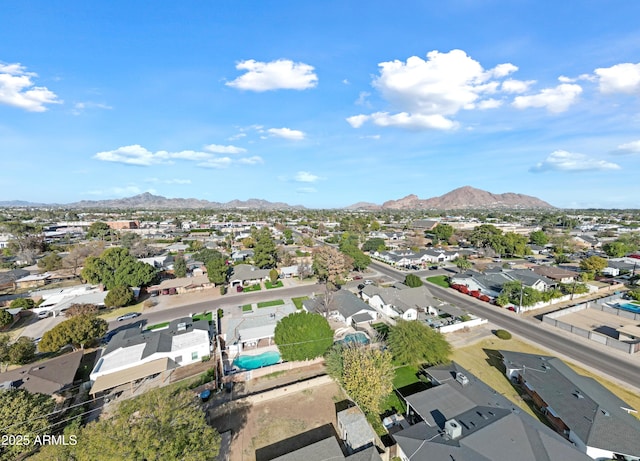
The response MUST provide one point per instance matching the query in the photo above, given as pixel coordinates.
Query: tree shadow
(231, 416)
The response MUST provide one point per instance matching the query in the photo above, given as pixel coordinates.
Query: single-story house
(460, 418)
(182, 285)
(241, 255)
(556, 273)
(247, 274)
(51, 377)
(596, 421)
(33, 280)
(343, 306)
(393, 302)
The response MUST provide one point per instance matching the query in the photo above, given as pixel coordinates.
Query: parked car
(130, 315)
(368, 282)
(44, 314)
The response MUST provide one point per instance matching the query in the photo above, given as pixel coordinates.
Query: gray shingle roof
(591, 411)
(492, 428)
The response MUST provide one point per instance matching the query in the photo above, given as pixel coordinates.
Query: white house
(133, 354)
(393, 302)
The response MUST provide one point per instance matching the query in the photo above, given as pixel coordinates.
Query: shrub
(503, 334)
(23, 303)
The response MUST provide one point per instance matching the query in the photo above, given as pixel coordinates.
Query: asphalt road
(227, 301)
(609, 363)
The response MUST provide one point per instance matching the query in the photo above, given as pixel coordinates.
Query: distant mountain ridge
(466, 197)
(150, 201)
(462, 198)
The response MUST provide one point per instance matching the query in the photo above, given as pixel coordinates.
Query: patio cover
(118, 378)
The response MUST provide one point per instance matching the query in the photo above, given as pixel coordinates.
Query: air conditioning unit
(453, 429)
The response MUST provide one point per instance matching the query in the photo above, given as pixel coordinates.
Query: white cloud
(561, 160)
(17, 89)
(621, 78)
(306, 190)
(130, 155)
(216, 163)
(427, 93)
(363, 99)
(80, 107)
(286, 133)
(237, 136)
(305, 176)
(555, 100)
(138, 155)
(274, 75)
(255, 160)
(218, 149)
(516, 86)
(489, 104)
(632, 147)
(405, 120)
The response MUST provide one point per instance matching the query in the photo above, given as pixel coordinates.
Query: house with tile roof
(461, 418)
(580, 408)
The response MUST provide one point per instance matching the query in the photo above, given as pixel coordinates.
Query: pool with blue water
(251, 362)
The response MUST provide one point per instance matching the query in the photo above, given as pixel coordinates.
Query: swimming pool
(251, 362)
(630, 307)
(358, 338)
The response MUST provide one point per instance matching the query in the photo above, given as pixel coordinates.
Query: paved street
(615, 364)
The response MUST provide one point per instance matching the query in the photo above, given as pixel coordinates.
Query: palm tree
(463, 264)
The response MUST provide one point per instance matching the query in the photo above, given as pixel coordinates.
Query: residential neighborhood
(245, 314)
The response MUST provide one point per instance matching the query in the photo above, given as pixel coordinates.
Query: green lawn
(275, 302)
(440, 280)
(405, 376)
(247, 308)
(298, 301)
(157, 326)
(270, 285)
(208, 316)
(255, 287)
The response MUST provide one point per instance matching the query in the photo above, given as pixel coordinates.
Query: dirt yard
(265, 424)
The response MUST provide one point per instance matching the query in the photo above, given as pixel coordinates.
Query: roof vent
(452, 429)
(182, 326)
(605, 412)
(462, 379)
(578, 395)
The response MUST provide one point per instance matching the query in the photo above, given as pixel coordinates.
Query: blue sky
(322, 104)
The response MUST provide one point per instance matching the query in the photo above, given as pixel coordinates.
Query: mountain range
(462, 198)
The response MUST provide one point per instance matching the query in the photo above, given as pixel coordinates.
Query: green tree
(78, 331)
(217, 269)
(616, 249)
(413, 281)
(462, 264)
(513, 292)
(273, 275)
(5, 318)
(116, 266)
(162, 424)
(288, 237)
(23, 303)
(538, 238)
(561, 258)
(360, 260)
(179, 266)
(119, 296)
(26, 414)
(5, 345)
(593, 264)
(367, 376)
(265, 253)
(303, 336)
(99, 230)
(22, 351)
(415, 343)
(50, 262)
(373, 245)
(514, 244)
(442, 232)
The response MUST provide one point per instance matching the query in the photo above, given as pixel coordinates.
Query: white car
(368, 282)
(44, 314)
